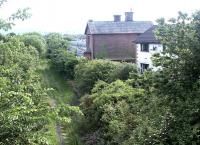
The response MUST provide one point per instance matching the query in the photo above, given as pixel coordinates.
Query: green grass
(62, 94)
(52, 79)
(54, 138)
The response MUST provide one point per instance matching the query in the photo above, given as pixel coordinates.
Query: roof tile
(110, 27)
(148, 36)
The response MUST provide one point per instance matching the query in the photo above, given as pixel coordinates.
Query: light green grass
(52, 79)
(53, 135)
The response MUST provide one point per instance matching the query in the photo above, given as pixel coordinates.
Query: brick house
(113, 40)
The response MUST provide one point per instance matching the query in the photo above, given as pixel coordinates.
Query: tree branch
(2, 2)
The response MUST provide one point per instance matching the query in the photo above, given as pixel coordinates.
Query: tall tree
(178, 80)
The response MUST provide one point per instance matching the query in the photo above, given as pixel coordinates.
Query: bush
(64, 62)
(36, 40)
(24, 113)
(89, 72)
(110, 113)
(55, 41)
(124, 70)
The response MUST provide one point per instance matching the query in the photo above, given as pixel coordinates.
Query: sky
(71, 16)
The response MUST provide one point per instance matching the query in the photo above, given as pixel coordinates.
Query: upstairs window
(145, 47)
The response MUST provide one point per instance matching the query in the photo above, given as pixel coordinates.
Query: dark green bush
(110, 112)
(64, 62)
(124, 70)
(55, 41)
(88, 73)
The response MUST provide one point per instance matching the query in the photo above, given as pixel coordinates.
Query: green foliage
(21, 14)
(55, 41)
(61, 94)
(26, 117)
(124, 70)
(15, 52)
(64, 62)
(89, 72)
(152, 108)
(36, 40)
(177, 81)
(117, 113)
(51, 78)
(24, 113)
(110, 112)
(181, 37)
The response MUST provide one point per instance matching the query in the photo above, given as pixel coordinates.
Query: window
(145, 47)
(143, 67)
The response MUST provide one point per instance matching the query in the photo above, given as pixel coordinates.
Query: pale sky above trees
(71, 16)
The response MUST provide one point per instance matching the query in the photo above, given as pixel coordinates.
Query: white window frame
(144, 47)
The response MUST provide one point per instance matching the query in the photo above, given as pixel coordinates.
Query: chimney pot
(117, 18)
(128, 16)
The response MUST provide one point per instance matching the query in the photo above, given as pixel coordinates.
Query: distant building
(77, 45)
(147, 45)
(114, 39)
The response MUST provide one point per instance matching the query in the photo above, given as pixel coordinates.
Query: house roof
(148, 36)
(110, 27)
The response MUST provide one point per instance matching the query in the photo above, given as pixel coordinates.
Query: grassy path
(52, 79)
(62, 94)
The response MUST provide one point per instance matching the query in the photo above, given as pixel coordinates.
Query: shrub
(24, 113)
(55, 41)
(89, 72)
(110, 112)
(64, 62)
(36, 40)
(124, 70)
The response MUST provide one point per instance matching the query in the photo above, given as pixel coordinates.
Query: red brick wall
(114, 46)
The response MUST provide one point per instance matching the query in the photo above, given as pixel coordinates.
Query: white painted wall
(145, 57)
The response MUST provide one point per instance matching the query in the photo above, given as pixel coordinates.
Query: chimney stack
(128, 16)
(117, 18)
